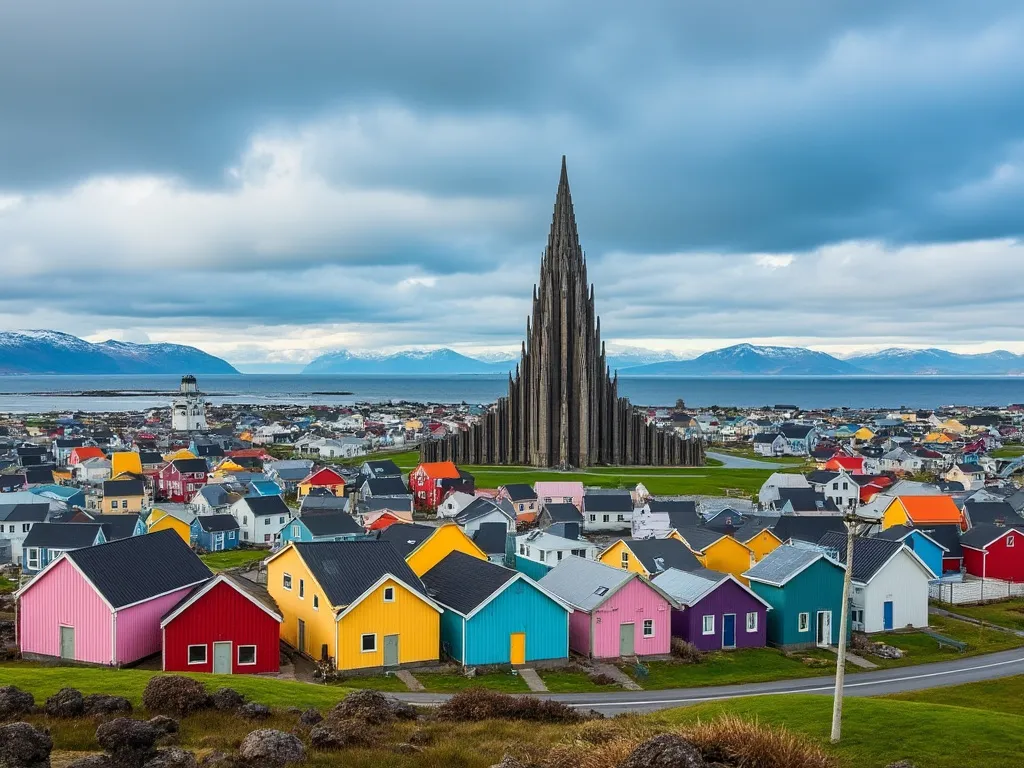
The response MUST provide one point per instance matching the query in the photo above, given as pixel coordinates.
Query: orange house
(922, 510)
(427, 482)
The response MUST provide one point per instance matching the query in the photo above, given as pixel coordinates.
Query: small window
(605, 518)
(197, 654)
(625, 560)
(302, 588)
(280, 520)
(804, 622)
(316, 602)
(622, 518)
(389, 594)
(522, 549)
(752, 621)
(601, 591)
(295, 531)
(835, 486)
(541, 555)
(708, 626)
(648, 627)
(266, 537)
(560, 553)
(246, 655)
(846, 486)
(593, 518)
(1009, 540)
(368, 643)
(522, 507)
(286, 581)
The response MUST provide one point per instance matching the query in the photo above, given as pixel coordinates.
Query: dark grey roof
(312, 502)
(809, 528)
(478, 508)
(386, 486)
(724, 520)
(117, 526)
(681, 513)
(383, 468)
(216, 523)
(24, 513)
(39, 475)
(562, 512)
(700, 538)
(331, 524)
(608, 502)
(948, 535)
(869, 554)
(767, 437)
(215, 493)
(895, 533)
(8, 480)
(462, 582)
(820, 477)
(980, 536)
(190, 465)
(63, 535)
(131, 570)
(805, 500)
(346, 569)
(520, 492)
(658, 555)
(995, 512)
(405, 537)
(123, 488)
(795, 431)
(150, 457)
(262, 506)
(402, 503)
(491, 537)
(753, 526)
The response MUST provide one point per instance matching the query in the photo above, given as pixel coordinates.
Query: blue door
(887, 615)
(729, 630)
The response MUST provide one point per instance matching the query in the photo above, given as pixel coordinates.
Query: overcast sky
(270, 180)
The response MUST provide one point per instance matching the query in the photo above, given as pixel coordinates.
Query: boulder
(268, 748)
(175, 757)
(227, 698)
(104, 704)
(665, 751)
(92, 761)
(254, 711)
(367, 706)
(340, 734)
(24, 746)
(310, 717)
(175, 695)
(405, 748)
(14, 702)
(218, 759)
(67, 702)
(123, 733)
(420, 737)
(164, 725)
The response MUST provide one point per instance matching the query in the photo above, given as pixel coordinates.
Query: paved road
(879, 683)
(740, 462)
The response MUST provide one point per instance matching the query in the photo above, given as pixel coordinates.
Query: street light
(852, 520)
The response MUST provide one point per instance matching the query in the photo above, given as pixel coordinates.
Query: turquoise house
(924, 546)
(494, 615)
(322, 526)
(804, 587)
(72, 497)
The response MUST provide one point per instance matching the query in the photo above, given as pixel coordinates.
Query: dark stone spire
(563, 409)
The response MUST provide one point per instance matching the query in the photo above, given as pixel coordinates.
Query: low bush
(175, 695)
(686, 652)
(476, 704)
(733, 740)
(600, 678)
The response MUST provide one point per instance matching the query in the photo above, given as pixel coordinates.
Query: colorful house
(948, 537)
(355, 602)
(124, 496)
(178, 480)
(171, 517)
(991, 552)
(103, 604)
(48, 541)
(757, 535)
(616, 613)
(649, 557)
(717, 611)
(493, 615)
(322, 526)
(717, 551)
(924, 546)
(804, 588)
(325, 478)
(226, 626)
(431, 480)
(557, 492)
(125, 461)
(922, 511)
(523, 500)
(424, 546)
(215, 533)
(80, 454)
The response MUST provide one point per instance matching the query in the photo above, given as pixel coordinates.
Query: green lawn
(753, 665)
(1004, 695)
(564, 681)
(7, 585)
(1008, 452)
(877, 732)
(748, 453)
(220, 561)
(922, 649)
(1008, 613)
(495, 681)
(377, 683)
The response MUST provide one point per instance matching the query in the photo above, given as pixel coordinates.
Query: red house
(431, 481)
(226, 626)
(179, 480)
(994, 552)
(852, 464)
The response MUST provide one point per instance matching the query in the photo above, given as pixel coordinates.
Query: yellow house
(761, 543)
(863, 434)
(649, 557)
(124, 495)
(171, 519)
(424, 546)
(324, 477)
(355, 602)
(181, 453)
(228, 466)
(954, 426)
(922, 510)
(937, 437)
(717, 551)
(125, 461)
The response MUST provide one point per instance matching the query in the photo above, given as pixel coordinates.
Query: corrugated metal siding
(222, 614)
(521, 607)
(579, 632)
(819, 588)
(927, 550)
(319, 624)
(451, 635)
(63, 597)
(531, 568)
(727, 598)
(631, 605)
(416, 623)
(138, 627)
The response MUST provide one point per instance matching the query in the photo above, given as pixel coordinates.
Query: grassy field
(1008, 452)
(921, 649)
(754, 665)
(221, 561)
(566, 681)
(1008, 613)
(1005, 695)
(7, 585)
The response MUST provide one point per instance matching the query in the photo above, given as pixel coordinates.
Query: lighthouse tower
(188, 411)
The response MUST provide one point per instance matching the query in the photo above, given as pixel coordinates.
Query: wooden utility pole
(852, 522)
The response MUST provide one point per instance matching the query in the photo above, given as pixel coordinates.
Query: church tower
(188, 411)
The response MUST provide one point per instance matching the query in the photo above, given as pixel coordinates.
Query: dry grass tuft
(747, 744)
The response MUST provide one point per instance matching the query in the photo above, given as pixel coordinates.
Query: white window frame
(316, 602)
(32, 555)
(1009, 540)
(752, 621)
(624, 560)
(206, 654)
(362, 643)
(803, 622)
(387, 590)
(286, 581)
(238, 656)
(648, 624)
(707, 628)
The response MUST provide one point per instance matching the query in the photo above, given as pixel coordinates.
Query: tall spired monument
(563, 409)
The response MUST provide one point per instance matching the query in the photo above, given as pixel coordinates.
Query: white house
(971, 476)
(839, 486)
(890, 583)
(92, 471)
(770, 444)
(900, 460)
(260, 517)
(607, 511)
(657, 519)
(16, 521)
(271, 433)
(341, 448)
(453, 503)
(769, 492)
(481, 511)
(549, 550)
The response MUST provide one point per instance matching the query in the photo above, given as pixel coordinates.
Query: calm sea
(23, 394)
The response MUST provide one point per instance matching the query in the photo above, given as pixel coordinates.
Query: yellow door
(518, 652)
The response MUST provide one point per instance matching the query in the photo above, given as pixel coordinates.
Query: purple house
(103, 604)
(717, 612)
(616, 613)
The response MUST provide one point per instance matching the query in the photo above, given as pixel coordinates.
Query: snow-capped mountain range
(45, 352)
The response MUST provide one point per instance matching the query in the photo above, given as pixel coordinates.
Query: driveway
(741, 462)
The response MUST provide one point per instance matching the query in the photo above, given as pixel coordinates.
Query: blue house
(72, 497)
(925, 547)
(322, 526)
(115, 526)
(215, 533)
(263, 488)
(494, 615)
(48, 541)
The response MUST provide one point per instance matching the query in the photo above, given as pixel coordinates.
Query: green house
(804, 587)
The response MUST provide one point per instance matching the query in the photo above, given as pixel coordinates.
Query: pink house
(103, 604)
(559, 493)
(616, 613)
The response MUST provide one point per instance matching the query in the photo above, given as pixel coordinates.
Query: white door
(222, 658)
(824, 629)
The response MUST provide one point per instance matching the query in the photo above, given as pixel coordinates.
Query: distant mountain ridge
(736, 360)
(53, 352)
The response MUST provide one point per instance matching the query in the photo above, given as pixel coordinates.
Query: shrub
(686, 652)
(175, 694)
(732, 739)
(600, 678)
(481, 704)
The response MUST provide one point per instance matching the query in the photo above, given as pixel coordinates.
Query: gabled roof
(984, 535)
(385, 486)
(491, 538)
(403, 503)
(345, 570)
(323, 476)
(255, 593)
(439, 470)
(585, 584)
(752, 527)
(994, 512)
(658, 555)
(406, 537)
(689, 588)
(217, 523)
(262, 506)
(24, 513)
(608, 502)
(930, 509)
(520, 492)
(795, 431)
(479, 507)
(116, 526)
(331, 524)
(124, 488)
(681, 512)
(700, 539)
(63, 535)
(136, 569)
(806, 500)
(768, 437)
(83, 452)
(901, 532)
(809, 528)
(216, 494)
(462, 582)
(315, 502)
(190, 465)
(869, 554)
(563, 512)
(785, 563)
(383, 468)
